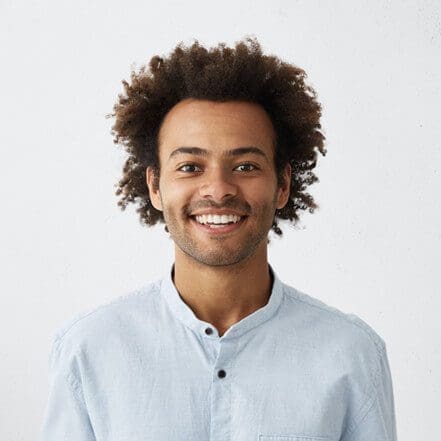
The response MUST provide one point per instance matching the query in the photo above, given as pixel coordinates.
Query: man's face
(207, 168)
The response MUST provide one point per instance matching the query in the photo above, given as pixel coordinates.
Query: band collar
(186, 315)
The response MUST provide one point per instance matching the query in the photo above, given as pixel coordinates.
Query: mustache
(233, 205)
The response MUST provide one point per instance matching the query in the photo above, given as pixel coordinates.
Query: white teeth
(217, 219)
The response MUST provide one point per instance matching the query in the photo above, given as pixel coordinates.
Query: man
(221, 144)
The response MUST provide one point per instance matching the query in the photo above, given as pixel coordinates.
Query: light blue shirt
(144, 368)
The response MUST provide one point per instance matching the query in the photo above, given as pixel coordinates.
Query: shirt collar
(186, 315)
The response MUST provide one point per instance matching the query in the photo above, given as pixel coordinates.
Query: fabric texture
(145, 367)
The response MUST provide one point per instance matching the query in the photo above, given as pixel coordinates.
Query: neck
(223, 295)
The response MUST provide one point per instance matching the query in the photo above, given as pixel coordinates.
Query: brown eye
(247, 167)
(190, 166)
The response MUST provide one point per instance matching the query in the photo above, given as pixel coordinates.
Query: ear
(284, 190)
(153, 185)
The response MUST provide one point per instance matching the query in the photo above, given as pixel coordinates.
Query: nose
(218, 185)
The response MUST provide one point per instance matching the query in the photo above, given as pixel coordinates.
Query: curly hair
(219, 74)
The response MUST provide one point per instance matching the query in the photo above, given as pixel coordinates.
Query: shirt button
(221, 373)
(208, 331)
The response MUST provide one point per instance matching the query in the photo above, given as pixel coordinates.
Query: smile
(215, 224)
(215, 219)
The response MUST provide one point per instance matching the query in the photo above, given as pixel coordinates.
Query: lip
(217, 212)
(230, 228)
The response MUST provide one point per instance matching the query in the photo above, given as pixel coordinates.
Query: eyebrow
(239, 151)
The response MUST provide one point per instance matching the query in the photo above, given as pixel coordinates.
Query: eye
(247, 165)
(191, 166)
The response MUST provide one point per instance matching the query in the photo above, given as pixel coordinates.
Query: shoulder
(339, 337)
(329, 317)
(94, 325)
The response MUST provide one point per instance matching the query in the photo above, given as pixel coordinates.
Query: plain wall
(373, 247)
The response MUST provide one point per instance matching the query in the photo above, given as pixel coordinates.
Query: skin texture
(242, 72)
(222, 278)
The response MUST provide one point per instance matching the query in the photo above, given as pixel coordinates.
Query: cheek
(260, 193)
(176, 195)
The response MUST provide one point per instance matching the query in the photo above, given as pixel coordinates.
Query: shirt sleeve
(378, 422)
(66, 417)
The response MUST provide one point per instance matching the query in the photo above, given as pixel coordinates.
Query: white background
(373, 247)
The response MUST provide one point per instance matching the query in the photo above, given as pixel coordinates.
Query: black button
(221, 373)
(208, 331)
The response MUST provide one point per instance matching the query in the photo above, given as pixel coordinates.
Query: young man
(221, 144)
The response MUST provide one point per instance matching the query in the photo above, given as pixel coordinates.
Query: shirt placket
(221, 377)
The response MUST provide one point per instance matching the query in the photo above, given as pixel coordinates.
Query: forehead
(208, 124)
